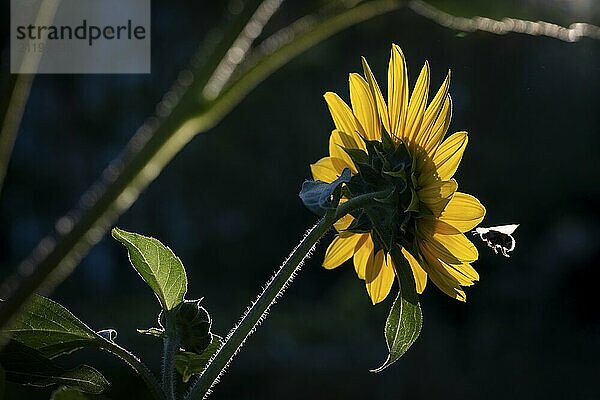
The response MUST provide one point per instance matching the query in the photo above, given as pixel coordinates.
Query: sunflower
(401, 143)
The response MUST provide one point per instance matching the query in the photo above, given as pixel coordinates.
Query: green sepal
(158, 266)
(358, 156)
(27, 366)
(193, 326)
(321, 197)
(414, 201)
(189, 363)
(405, 319)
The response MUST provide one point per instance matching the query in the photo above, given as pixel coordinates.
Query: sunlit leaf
(51, 329)
(158, 266)
(405, 320)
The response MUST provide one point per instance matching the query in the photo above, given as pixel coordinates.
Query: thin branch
(572, 33)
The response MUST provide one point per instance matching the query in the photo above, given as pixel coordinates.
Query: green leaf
(158, 266)
(405, 320)
(27, 366)
(67, 393)
(188, 363)
(320, 197)
(51, 329)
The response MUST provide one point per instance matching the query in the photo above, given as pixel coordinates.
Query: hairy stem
(171, 345)
(138, 366)
(272, 291)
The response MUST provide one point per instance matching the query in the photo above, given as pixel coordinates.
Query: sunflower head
(397, 147)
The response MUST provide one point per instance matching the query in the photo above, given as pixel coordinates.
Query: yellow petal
(463, 274)
(416, 105)
(463, 213)
(364, 255)
(376, 91)
(342, 115)
(447, 285)
(364, 106)
(343, 223)
(452, 249)
(432, 112)
(340, 250)
(338, 141)
(437, 195)
(440, 127)
(448, 156)
(397, 90)
(418, 271)
(324, 170)
(379, 277)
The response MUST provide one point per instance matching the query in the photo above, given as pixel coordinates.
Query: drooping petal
(340, 250)
(324, 170)
(342, 115)
(379, 277)
(452, 249)
(376, 91)
(416, 105)
(397, 90)
(338, 141)
(418, 271)
(432, 112)
(463, 274)
(463, 213)
(364, 106)
(448, 156)
(364, 256)
(447, 285)
(437, 195)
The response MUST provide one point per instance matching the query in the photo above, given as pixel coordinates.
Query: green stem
(273, 290)
(171, 345)
(138, 366)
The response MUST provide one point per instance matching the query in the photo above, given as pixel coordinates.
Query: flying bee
(498, 238)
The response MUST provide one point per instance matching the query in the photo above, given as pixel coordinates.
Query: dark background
(228, 206)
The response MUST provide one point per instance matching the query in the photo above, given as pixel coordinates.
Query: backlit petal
(397, 90)
(440, 127)
(416, 105)
(418, 271)
(364, 106)
(463, 213)
(364, 255)
(340, 250)
(376, 91)
(448, 156)
(324, 170)
(437, 195)
(452, 249)
(447, 285)
(379, 277)
(338, 141)
(432, 112)
(342, 115)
